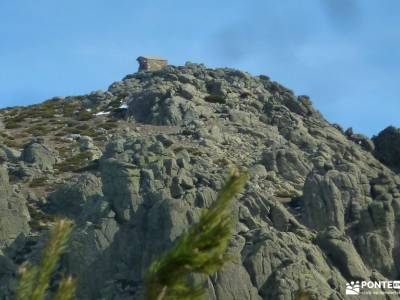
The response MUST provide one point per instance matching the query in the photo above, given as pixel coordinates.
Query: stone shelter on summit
(151, 63)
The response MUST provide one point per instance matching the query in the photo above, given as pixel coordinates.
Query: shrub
(12, 144)
(12, 124)
(109, 125)
(39, 130)
(84, 115)
(38, 182)
(115, 103)
(192, 150)
(76, 162)
(215, 99)
(69, 109)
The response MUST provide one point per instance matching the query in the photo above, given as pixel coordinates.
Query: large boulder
(40, 155)
(87, 145)
(161, 107)
(121, 183)
(341, 251)
(71, 199)
(387, 147)
(322, 202)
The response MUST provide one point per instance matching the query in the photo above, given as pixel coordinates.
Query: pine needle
(26, 283)
(66, 289)
(35, 280)
(199, 250)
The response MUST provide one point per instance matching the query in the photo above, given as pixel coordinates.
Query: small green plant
(63, 151)
(38, 218)
(38, 182)
(192, 150)
(199, 250)
(109, 125)
(12, 124)
(115, 103)
(302, 295)
(69, 109)
(39, 130)
(77, 130)
(222, 162)
(12, 143)
(35, 280)
(215, 99)
(76, 162)
(84, 115)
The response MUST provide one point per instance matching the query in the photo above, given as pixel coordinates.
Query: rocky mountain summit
(134, 166)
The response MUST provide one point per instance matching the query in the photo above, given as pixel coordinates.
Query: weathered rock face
(40, 155)
(387, 144)
(9, 154)
(86, 145)
(361, 140)
(7, 271)
(78, 196)
(319, 210)
(14, 215)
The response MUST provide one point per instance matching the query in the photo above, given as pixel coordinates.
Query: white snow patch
(102, 113)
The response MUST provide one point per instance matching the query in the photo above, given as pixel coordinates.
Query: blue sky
(345, 54)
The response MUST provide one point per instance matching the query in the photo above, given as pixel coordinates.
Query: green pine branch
(35, 280)
(199, 250)
(66, 289)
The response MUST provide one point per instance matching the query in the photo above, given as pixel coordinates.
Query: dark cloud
(232, 44)
(262, 34)
(343, 14)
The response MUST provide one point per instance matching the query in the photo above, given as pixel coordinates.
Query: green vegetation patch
(118, 101)
(75, 163)
(215, 99)
(38, 182)
(69, 109)
(192, 150)
(12, 123)
(85, 115)
(12, 143)
(64, 151)
(115, 103)
(109, 125)
(78, 130)
(39, 130)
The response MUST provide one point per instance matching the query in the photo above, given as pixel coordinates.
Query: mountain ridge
(134, 165)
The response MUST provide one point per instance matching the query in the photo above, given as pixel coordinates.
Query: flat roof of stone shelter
(151, 57)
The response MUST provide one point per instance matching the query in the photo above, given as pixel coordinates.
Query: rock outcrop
(387, 144)
(14, 215)
(39, 154)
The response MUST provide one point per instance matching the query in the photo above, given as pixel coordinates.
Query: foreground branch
(199, 250)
